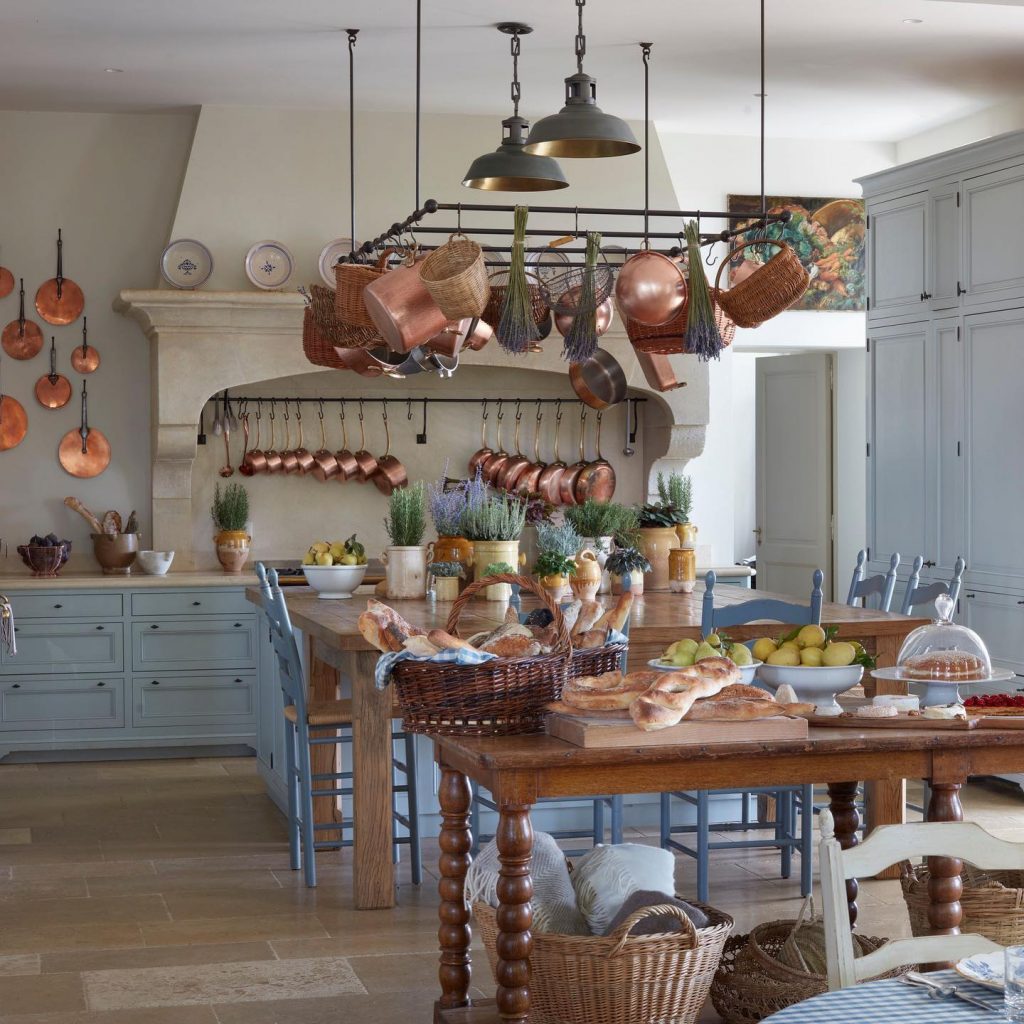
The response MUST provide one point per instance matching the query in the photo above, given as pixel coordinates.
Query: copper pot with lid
(597, 479)
(391, 474)
(60, 301)
(567, 481)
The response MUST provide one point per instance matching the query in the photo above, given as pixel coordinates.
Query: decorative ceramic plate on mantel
(268, 265)
(329, 256)
(186, 263)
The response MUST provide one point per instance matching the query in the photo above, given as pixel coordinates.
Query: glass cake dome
(944, 652)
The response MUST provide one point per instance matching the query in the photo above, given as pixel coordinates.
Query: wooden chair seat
(324, 712)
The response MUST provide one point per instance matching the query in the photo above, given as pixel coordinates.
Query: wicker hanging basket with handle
(455, 274)
(350, 280)
(500, 697)
(322, 331)
(768, 291)
(669, 339)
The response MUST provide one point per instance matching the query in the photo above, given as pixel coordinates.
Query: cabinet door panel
(995, 426)
(191, 602)
(61, 703)
(97, 607)
(951, 505)
(898, 246)
(216, 699)
(999, 620)
(66, 647)
(897, 466)
(194, 645)
(994, 236)
(944, 246)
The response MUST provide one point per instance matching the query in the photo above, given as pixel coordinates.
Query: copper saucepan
(517, 464)
(245, 464)
(303, 455)
(567, 481)
(484, 452)
(603, 316)
(59, 300)
(22, 338)
(391, 474)
(496, 461)
(272, 456)
(289, 460)
(85, 358)
(53, 389)
(528, 479)
(650, 288)
(325, 465)
(257, 459)
(599, 381)
(366, 463)
(402, 309)
(348, 468)
(547, 483)
(597, 479)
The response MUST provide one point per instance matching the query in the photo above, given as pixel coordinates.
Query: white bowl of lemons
(689, 652)
(810, 660)
(335, 569)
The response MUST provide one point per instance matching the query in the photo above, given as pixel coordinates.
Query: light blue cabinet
(187, 645)
(56, 703)
(65, 647)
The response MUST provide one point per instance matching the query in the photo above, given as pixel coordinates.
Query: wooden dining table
(334, 647)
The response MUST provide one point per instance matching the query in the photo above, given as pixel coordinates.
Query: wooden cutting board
(611, 729)
(900, 722)
(998, 721)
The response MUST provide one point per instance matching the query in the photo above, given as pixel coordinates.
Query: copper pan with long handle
(85, 358)
(256, 461)
(325, 465)
(527, 483)
(517, 464)
(84, 452)
(244, 465)
(348, 468)
(391, 474)
(547, 484)
(484, 452)
(567, 481)
(289, 461)
(53, 389)
(496, 461)
(13, 421)
(22, 339)
(60, 301)
(366, 463)
(597, 479)
(303, 455)
(271, 455)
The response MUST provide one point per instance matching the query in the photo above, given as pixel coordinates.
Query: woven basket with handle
(501, 697)
(350, 280)
(619, 978)
(669, 339)
(595, 661)
(322, 331)
(455, 274)
(499, 289)
(768, 291)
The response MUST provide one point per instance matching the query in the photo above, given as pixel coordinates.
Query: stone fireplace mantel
(204, 342)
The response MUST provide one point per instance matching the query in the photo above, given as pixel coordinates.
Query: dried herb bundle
(702, 335)
(581, 338)
(517, 328)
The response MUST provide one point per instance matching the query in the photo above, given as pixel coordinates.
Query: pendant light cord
(645, 49)
(515, 48)
(352, 33)
(763, 201)
(419, 47)
(581, 39)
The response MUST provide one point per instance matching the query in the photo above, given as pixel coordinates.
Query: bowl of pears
(688, 652)
(335, 569)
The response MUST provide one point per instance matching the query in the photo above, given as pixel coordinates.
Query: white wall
(1003, 117)
(110, 181)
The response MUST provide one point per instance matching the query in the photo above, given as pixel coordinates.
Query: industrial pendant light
(581, 128)
(509, 168)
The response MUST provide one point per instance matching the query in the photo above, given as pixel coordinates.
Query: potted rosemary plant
(493, 521)
(445, 577)
(230, 515)
(405, 559)
(447, 504)
(677, 493)
(556, 562)
(627, 566)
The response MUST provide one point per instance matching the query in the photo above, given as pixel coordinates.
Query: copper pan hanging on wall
(6, 282)
(60, 301)
(84, 452)
(391, 474)
(85, 359)
(13, 421)
(53, 389)
(22, 338)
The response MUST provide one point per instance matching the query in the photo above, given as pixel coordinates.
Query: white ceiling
(835, 68)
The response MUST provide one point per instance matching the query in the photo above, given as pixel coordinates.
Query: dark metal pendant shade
(510, 169)
(581, 128)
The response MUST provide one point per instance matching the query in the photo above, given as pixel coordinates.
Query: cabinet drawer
(62, 703)
(192, 602)
(196, 645)
(67, 606)
(66, 647)
(217, 699)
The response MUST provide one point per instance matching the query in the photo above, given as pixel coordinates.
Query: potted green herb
(677, 493)
(405, 559)
(446, 576)
(230, 515)
(497, 591)
(657, 523)
(597, 522)
(493, 521)
(627, 566)
(558, 546)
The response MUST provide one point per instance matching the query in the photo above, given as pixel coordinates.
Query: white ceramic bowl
(334, 582)
(747, 672)
(816, 685)
(154, 563)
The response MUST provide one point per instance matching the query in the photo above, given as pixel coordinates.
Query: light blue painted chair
(916, 595)
(785, 839)
(304, 719)
(599, 803)
(881, 585)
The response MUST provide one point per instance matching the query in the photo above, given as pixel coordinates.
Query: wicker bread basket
(350, 280)
(619, 978)
(455, 274)
(595, 661)
(501, 697)
(768, 291)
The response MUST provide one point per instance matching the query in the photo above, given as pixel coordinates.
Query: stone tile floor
(158, 892)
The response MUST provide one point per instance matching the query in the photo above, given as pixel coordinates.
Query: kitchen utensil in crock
(567, 481)
(53, 389)
(391, 474)
(303, 455)
(257, 458)
(22, 338)
(496, 461)
(484, 452)
(650, 287)
(348, 468)
(605, 314)
(84, 452)
(325, 465)
(289, 461)
(517, 464)
(6, 282)
(13, 421)
(528, 480)
(271, 455)
(366, 463)
(597, 479)
(60, 300)
(401, 308)
(599, 381)
(547, 483)
(85, 358)
(227, 469)
(244, 465)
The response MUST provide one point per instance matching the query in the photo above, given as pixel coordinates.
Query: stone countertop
(94, 580)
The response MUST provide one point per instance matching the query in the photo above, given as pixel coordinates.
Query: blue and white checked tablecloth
(892, 1002)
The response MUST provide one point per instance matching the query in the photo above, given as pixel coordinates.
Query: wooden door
(944, 246)
(993, 250)
(794, 471)
(898, 242)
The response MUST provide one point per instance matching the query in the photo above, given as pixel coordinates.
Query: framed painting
(827, 234)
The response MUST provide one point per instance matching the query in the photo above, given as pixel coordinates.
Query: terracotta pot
(116, 553)
(687, 533)
(446, 588)
(487, 552)
(655, 543)
(406, 570)
(451, 549)
(232, 549)
(602, 548)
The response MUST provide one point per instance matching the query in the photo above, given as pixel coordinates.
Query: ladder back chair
(881, 585)
(916, 595)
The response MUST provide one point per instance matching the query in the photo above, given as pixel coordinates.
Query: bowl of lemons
(688, 652)
(814, 662)
(335, 569)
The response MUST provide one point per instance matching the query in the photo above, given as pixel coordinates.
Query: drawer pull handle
(58, 606)
(196, 604)
(238, 680)
(156, 682)
(99, 627)
(970, 595)
(238, 625)
(101, 684)
(16, 686)
(154, 626)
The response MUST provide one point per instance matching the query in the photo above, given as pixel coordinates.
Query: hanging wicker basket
(619, 978)
(771, 289)
(669, 339)
(455, 274)
(498, 281)
(322, 332)
(350, 280)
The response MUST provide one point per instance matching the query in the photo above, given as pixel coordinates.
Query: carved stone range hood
(203, 342)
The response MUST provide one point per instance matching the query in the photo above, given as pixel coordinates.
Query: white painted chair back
(889, 845)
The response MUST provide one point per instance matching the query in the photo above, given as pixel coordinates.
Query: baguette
(421, 647)
(740, 710)
(445, 641)
(609, 692)
(616, 616)
(590, 612)
(592, 638)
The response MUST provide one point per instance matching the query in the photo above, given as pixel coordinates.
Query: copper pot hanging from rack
(303, 456)
(496, 460)
(289, 460)
(517, 464)
(60, 301)
(367, 464)
(256, 461)
(484, 452)
(597, 479)
(547, 483)
(528, 480)
(85, 358)
(245, 465)
(53, 389)
(325, 465)
(22, 338)
(271, 456)
(567, 481)
(391, 474)
(348, 468)
(84, 452)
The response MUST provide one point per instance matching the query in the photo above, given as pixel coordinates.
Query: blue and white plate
(186, 263)
(988, 969)
(329, 256)
(268, 265)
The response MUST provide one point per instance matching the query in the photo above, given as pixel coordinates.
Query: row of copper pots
(386, 472)
(556, 482)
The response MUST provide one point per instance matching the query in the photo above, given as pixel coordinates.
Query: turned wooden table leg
(454, 934)
(843, 805)
(515, 913)
(944, 884)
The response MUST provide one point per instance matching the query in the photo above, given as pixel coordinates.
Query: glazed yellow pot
(232, 549)
(446, 588)
(586, 580)
(655, 543)
(687, 533)
(451, 549)
(487, 552)
(555, 584)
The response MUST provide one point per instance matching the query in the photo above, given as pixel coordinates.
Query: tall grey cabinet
(945, 336)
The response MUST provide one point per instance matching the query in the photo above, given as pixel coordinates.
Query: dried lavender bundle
(516, 328)
(581, 338)
(702, 335)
